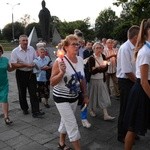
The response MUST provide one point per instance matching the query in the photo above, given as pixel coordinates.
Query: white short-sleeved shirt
(125, 60)
(18, 55)
(143, 57)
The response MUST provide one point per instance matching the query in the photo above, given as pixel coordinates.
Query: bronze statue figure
(45, 20)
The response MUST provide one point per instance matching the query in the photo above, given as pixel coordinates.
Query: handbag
(80, 98)
(87, 72)
(80, 94)
(48, 73)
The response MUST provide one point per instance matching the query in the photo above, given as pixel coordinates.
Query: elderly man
(22, 59)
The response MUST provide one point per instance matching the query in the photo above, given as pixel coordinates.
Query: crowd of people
(128, 66)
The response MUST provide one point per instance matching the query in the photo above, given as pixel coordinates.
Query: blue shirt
(39, 64)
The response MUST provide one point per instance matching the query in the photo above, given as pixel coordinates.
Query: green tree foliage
(120, 2)
(55, 19)
(66, 28)
(140, 10)
(105, 23)
(29, 28)
(18, 30)
(1, 36)
(135, 10)
(120, 31)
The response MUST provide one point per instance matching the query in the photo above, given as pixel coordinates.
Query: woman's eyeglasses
(75, 44)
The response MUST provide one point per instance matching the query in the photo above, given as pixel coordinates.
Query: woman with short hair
(97, 89)
(67, 83)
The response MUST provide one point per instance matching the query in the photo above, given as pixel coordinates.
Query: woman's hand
(86, 100)
(10, 68)
(58, 71)
(62, 67)
(114, 55)
(45, 68)
(102, 66)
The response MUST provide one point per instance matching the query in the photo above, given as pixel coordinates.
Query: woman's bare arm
(58, 71)
(144, 79)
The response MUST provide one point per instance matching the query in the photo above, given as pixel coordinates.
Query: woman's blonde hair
(142, 36)
(68, 39)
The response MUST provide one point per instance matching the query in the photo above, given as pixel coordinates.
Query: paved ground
(28, 133)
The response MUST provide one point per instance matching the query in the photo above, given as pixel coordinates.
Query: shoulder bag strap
(104, 78)
(73, 68)
(96, 60)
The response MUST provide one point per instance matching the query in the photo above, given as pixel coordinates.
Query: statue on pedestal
(45, 21)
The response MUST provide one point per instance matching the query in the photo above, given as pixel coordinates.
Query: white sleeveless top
(69, 86)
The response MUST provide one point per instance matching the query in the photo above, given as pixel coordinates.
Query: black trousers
(27, 80)
(125, 86)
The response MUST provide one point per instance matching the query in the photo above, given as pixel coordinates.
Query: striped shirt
(69, 86)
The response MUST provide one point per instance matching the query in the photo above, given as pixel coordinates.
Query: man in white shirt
(22, 59)
(111, 56)
(126, 75)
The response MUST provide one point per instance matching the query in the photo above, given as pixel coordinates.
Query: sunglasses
(75, 44)
(1, 51)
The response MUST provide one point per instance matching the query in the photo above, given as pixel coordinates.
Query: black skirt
(137, 115)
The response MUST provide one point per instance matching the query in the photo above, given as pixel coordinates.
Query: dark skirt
(137, 115)
(43, 89)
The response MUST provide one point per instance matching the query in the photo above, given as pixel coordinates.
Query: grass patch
(9, 46)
